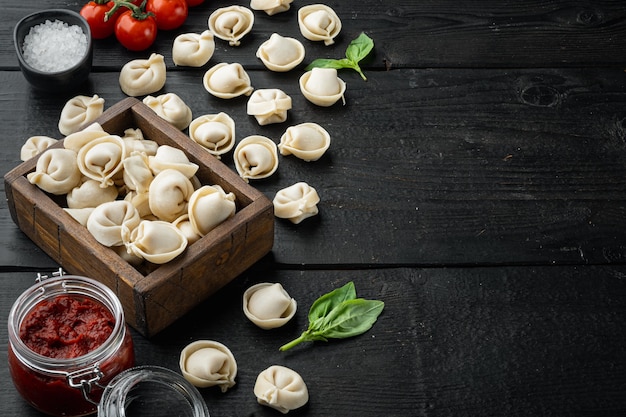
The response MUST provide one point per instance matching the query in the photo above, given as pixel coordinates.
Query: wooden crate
(155, 298)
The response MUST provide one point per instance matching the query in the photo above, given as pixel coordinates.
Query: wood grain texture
(475, 183)
(409, 34)
(425, 166)
(450, 342)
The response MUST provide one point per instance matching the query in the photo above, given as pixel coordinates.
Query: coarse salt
(54, 46)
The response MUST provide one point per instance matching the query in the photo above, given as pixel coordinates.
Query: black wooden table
(476, 183)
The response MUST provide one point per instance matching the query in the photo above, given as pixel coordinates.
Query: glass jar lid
(151, 391)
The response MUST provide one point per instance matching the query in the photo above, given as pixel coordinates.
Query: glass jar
(151, 391)
(67, 386)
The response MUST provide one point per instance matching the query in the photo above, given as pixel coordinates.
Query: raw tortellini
(319, 22)
(280, 53)
(169, 194)
(307, 141)
(109, 221)
(193, 49)
(79, 111)
(296, 202)
(231, 23)
(271, 7)
(209, 206)
(281, 388)
(155, 241)
(171, 108)
(168, 157)
(142, 199)
(143, 76)
(269, 106)
(268, 305)
(256, 157)
(214, 132)
(206, 363)
(35, 145)
(227, 81)
(56, 171)
(101, 159)
(90, 194)
(322, 86)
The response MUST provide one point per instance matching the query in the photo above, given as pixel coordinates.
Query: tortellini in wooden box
(154, 294)
(138, 194)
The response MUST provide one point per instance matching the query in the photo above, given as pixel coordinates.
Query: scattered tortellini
(143, 76)
(281, 388)
(307, 141)
(214, 132)
(322, 86)
(280, 53)
(79, 111)
(319, 22)
(231, 23)
(171, 108)
(256, 157)
(296, 202)
(35, 145)
(269, 105)
(226, 80)
(271, 7)
(193, 49)
(207, 363)
(268, 305)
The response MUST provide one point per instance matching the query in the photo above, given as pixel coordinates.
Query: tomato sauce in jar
(67, 340)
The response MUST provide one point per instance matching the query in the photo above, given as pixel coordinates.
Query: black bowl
(65, 80)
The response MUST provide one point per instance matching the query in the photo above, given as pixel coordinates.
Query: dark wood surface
(476, 183)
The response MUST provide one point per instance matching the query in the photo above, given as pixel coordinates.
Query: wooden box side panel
(167, 296)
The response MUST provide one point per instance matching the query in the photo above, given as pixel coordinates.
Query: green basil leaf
(351, 318)
(359, 48)
(327, 302)
(328, 63)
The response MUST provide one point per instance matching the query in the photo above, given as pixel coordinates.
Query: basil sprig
(337, 315)
(358, 49)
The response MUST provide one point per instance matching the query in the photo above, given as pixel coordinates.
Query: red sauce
(66, 327)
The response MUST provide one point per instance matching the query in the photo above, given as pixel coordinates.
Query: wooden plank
(408, 34)
(425, 166)
(450, 342)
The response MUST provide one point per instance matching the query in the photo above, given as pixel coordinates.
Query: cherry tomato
(134, 33)
(94, 13)
(170, 14)
(192, 3)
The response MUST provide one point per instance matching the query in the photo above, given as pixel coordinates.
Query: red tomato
(170, 14)
(192, 3)
(94, 13)
(135, 34)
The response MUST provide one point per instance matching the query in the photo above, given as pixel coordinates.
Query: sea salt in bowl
(54, 49)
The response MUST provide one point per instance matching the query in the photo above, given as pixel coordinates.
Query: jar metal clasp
(58, 273)
(85, 380)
